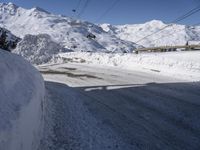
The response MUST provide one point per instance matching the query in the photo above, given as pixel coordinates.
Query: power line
(107, 10)
(188, 14)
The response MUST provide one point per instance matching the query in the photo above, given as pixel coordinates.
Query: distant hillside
(66, 31)
(173, 35)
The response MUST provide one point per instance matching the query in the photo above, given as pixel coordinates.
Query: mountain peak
(39, 9)
(8, 5)
(8, 8)
(11, 7)
(155, 22)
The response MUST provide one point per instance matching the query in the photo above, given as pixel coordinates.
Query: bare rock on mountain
(8, 41)
(39, 49)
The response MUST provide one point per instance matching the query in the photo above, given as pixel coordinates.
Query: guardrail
(168, 48)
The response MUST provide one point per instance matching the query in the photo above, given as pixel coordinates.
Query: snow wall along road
(21, 97)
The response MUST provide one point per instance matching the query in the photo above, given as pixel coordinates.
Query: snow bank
(179, 64)
(38, 49)
(21, 97)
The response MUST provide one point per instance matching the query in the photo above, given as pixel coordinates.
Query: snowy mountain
(8, 41)
(69, 32)
(173, 35)
(75, 34)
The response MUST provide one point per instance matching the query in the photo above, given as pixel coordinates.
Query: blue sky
(125, 11)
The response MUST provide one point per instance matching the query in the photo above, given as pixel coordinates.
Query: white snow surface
(67, 31)
(175, 34)
(184, 65)
(38, 49)
(21, 96)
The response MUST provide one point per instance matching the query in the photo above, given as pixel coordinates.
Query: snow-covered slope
(21, 98)
(38, 49)
(177, 64)
(69, 32)
(8, 41)
(173, 35)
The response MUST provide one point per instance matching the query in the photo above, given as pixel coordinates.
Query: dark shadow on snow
(69, 74)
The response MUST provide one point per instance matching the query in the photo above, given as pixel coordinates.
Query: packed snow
(66, 31)
(38, 49)
(178, 64)
(91, 107)
(21, 98)
(173, 35)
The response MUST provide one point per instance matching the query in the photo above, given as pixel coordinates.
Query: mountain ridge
(176, 34)
(69, 32)
(72, 33)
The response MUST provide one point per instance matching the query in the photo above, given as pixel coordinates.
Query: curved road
(100, 108)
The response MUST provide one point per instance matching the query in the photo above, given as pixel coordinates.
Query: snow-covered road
(99, 108)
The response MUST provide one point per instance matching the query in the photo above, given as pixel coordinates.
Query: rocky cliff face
(8, 41)
(38, 49)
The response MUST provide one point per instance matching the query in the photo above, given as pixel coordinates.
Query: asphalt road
(93, 108)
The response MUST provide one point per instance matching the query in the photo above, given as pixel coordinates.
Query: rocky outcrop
(8, 41)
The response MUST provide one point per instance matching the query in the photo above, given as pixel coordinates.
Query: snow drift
(178, 64)
(69, 32)
(21, 98)
(38, 49)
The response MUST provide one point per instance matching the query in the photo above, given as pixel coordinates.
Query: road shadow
(68, 73)
(146, 116)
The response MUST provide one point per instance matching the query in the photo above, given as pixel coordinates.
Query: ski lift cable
(83, 9)
(114, 3)
(75, 9)
(173, 32)
(188, 15)
(78, 5)
(168, 34)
